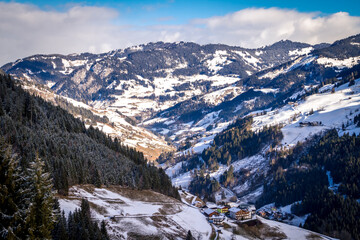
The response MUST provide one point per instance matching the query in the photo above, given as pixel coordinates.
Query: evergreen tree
(40, 217)
(103, 230)
(189, 236)
(8, 206)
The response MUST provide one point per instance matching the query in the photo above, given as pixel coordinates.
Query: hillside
(133, 214)
(141, 80)
(72, 153)
(109, 121)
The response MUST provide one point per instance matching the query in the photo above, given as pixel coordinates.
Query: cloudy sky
(58, 26)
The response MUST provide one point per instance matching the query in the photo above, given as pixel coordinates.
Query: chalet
(233, 212)
(249, 207)
(252, 208)
(210, 213)
(218, 220)
(240, 214)
(222, 209)
(232, 204)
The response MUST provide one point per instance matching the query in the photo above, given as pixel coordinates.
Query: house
(218, 220)
(249, 207)
(240, 214)
(233, 212)
(222, 209)
(232, 204)
(252, 208)
(210, 213)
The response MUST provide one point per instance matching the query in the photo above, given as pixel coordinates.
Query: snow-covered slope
(117, 125)
(328, 109)
(138, 214)
(133, 213)
(141, 80)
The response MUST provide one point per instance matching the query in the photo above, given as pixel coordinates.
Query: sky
(65, 27)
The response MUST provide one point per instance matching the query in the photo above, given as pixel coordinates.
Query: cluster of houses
(273, 213)
(238, 212)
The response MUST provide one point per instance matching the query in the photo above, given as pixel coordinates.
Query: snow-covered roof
(220, 206)
(234, 209)
(208, 211)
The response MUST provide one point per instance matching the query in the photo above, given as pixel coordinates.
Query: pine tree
(8, 206)
(40, 217)
(189, 236)
(103, 230)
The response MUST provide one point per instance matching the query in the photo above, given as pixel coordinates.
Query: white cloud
(255, 27)
(26, 30)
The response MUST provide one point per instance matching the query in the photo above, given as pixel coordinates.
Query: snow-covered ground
(143, 213)
(293, 232)
(330, 110)
(129, 213)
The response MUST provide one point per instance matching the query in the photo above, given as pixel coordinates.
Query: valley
(227, 124)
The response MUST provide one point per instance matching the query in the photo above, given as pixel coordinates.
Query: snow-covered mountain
(141, 80)
(189, 94)
(184, 90)
(137, 83)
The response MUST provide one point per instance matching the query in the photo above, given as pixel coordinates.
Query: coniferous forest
(303, 176)
(239, 141)
(43, 148)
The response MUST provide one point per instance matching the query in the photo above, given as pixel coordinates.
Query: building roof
(234, 209)
(208, 211)
(221, 206)
(221, 217)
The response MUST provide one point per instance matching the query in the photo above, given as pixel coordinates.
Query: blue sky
(64, 27)
(147, 12)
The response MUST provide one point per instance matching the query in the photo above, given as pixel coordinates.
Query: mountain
(246, 123)
(146, 78)
(134, 84)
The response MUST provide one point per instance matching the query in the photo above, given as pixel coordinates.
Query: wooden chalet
(210, 213)
(222, 209)
(218, 220)
(240, 214)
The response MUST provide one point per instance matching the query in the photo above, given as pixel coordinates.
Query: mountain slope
(151, 77)
(108, 121)
(73, 153)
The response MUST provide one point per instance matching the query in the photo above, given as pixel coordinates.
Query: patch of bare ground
(142, 195)
(99, 209)
(257, 230)
(170, 209)
(313, 236)
(137, 236)
(213, 233)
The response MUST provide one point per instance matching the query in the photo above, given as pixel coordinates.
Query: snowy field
(146, 214)
(331, 110)
(139, 213)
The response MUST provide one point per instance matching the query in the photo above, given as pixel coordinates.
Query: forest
(43, 150)
(72, 153)
(303, 176)
(239, 141)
